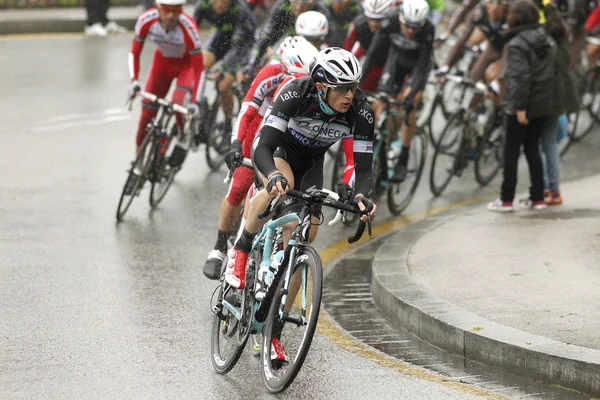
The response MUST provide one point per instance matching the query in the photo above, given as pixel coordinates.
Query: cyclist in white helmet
(361, 33)
(343, 13)
(410, 41)
(308, 116)
(314, 27)
(295, 54)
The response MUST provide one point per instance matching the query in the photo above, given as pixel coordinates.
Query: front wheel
(284, 322)
(163, 173)
(447, 160)
(401, 194)
(136, 174)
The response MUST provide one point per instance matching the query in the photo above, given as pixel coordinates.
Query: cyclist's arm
(363, 149)
(142, 26)
(275, 125)
(351, 37)
(592, 24)
(194, 45)
(455, 51)
(421, 70)
(377, 45)
(243, 36)
(254, 99)
(459, 16)
(348, 144)
(200, 11)
(276, 26)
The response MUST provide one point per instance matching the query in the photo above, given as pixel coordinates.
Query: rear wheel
(401, 194)
(304, 314)
(143, 159)
(447, 159)
(490, 153)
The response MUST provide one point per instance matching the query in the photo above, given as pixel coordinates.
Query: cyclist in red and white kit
(178, 55)
(295, 54)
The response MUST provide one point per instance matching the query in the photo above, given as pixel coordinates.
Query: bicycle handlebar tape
(358, 234)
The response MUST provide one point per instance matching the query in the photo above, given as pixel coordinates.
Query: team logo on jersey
(290, 94)
(367, 115)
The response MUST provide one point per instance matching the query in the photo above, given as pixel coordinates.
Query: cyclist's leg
(184, 89)
(593, 53)
(489, 56)
(230, 66)
(577, 44)
(159, 80)
(372, 78)
(476, 38)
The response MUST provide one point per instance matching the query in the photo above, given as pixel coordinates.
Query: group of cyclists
(305, 68)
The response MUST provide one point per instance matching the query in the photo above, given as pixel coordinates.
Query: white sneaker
(113, 27)
(500, 206)
(95, 30)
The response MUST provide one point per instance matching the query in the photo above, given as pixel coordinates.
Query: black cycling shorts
(308, 173)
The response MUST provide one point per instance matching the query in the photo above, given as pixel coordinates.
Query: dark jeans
(96, 11)
(529, 137)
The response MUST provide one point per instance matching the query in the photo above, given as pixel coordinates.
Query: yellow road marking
(55, 35)
(339, 336)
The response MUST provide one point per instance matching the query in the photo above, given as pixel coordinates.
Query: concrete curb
(449, 327)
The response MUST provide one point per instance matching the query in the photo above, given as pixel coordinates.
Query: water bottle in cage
(394, 153)
(265, 275)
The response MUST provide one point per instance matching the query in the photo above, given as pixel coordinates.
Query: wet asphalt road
(91, 309)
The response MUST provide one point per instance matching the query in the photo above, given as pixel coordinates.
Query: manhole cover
(566, 214)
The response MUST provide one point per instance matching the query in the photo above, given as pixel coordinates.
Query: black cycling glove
(276, 177)
(234, 156)
(366, 202)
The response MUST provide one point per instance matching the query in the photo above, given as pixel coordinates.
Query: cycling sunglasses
(302, 1)
(496, 2)
(173, 9)
(343, 89)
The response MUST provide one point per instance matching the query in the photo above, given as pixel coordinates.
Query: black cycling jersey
(493, 31)
(234, 33)
(575, 12)
(281, 22)
(339, 23)
(404, 54)
(359, 31)
(297, 126)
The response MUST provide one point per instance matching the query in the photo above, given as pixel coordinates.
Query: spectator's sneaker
(235, 274)
(95, 30)
(113, 27)
(500, 206)
(278, 354)
(546, 195)
(212, 266)
(536, 205)
(554, 198)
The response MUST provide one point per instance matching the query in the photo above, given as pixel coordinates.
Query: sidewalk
(54, 20)
(519, 290)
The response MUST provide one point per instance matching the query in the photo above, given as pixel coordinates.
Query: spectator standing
(97, 21)
(530, 77)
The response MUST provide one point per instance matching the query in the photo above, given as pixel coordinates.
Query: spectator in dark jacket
(530, 78)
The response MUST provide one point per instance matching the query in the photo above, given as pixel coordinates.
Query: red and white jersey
(180, 43)
(259, 97)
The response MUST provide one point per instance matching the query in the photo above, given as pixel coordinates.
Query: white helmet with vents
(170, 2)
(312, 25)
(296, 53)
(335, 66)
(414, 13)
(379, 9)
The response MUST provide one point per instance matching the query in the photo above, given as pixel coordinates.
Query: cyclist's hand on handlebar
(133, 89)
(345, 192)
(234, 156)
(277, 184)
(194, 108)
(441, 72)
(366, 206)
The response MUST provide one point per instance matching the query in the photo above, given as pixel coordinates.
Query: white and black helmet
(379, 9)
(414, 13)
(335, 66)
(312, 25)
(296, 53)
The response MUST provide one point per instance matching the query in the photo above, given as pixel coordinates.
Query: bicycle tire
(437, 104)
(419, 150)
(581, 128)
(160, 163)
(224, 365)
(124, 203)
(277, 384)
(456, 118)
(494, 137)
